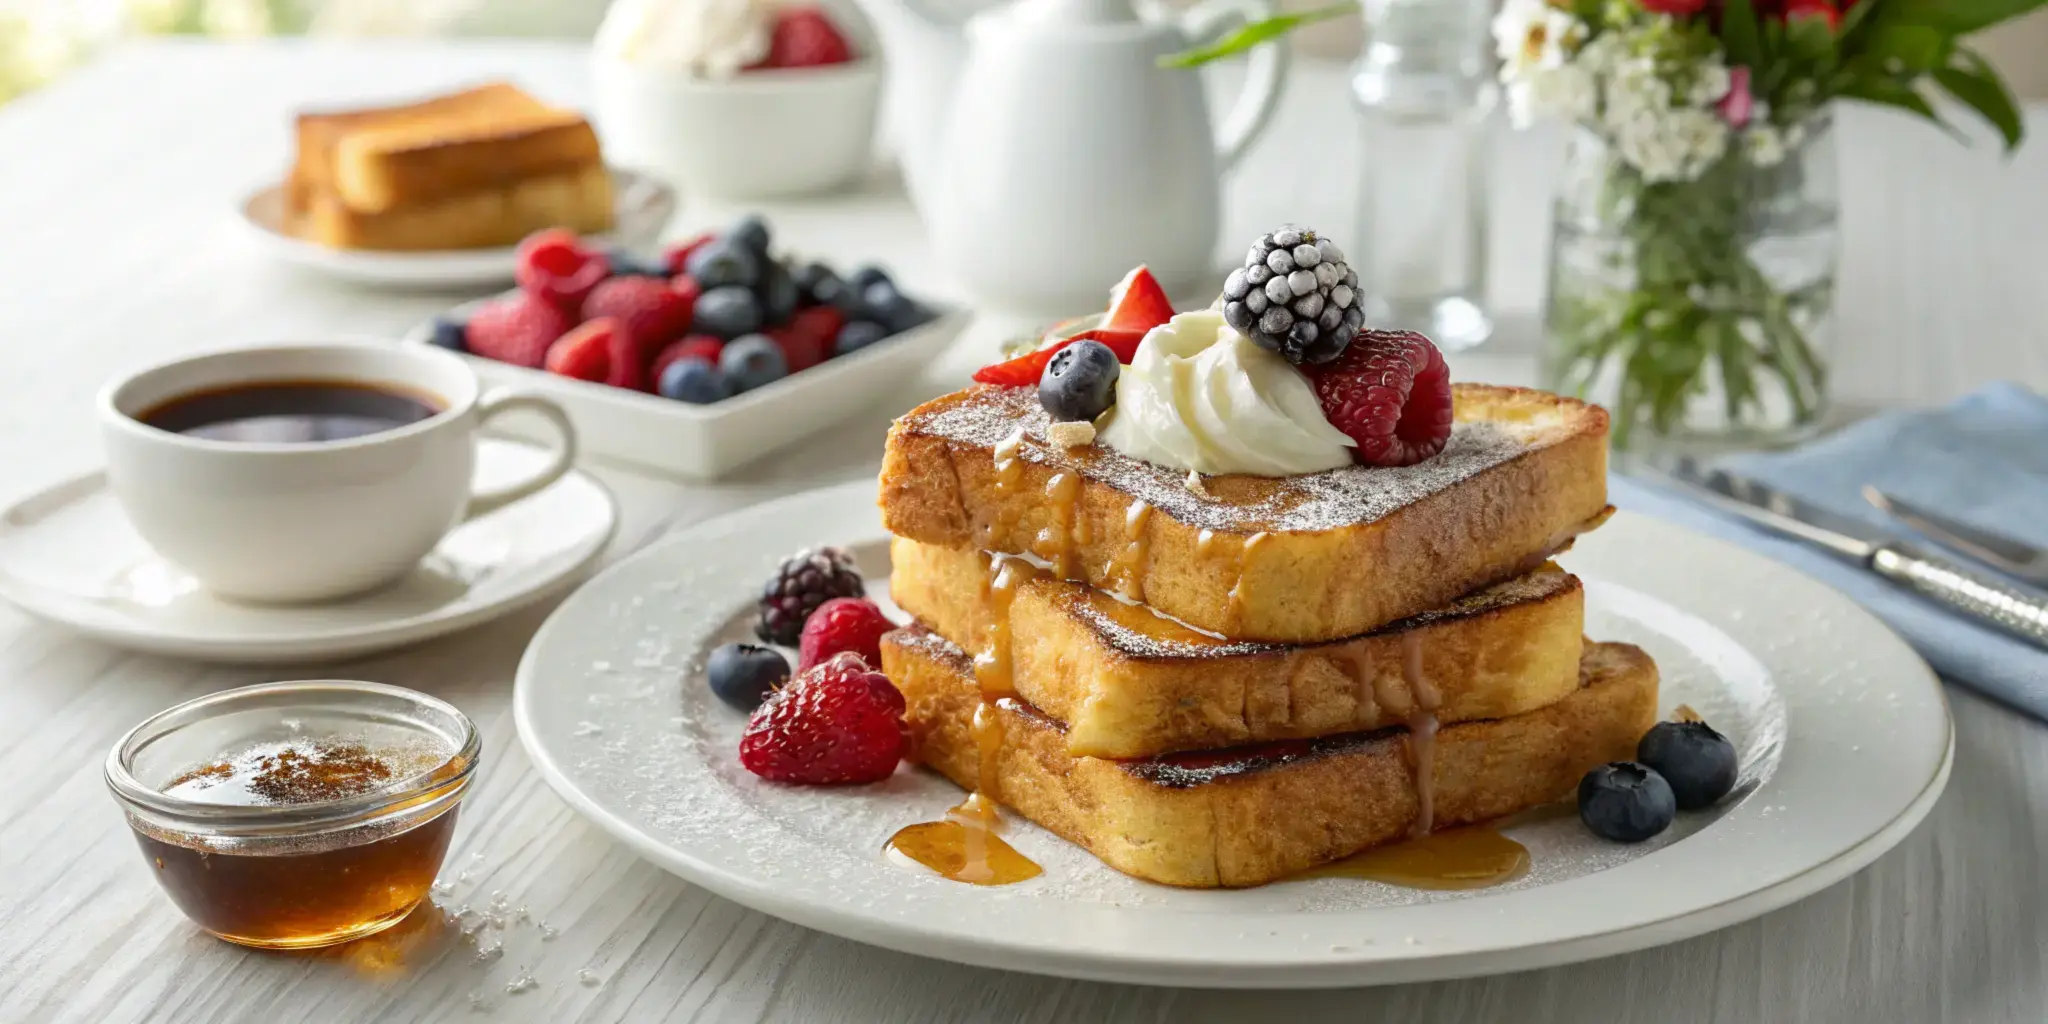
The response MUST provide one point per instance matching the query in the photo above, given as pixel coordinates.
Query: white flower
(1710, 83)
(1675, 145)
(1603, 54)
(1765, 146)
(1569, 92)
(1531, 35)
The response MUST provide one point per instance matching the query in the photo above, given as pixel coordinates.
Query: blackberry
(804, 581)
(1296, 296)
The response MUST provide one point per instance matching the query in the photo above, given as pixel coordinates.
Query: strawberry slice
(1024, 371)
(1137, 303)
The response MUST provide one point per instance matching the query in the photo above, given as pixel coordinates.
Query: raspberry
(801, 583)
(843, 624)
(585, 353)
(651, 313)
(517, 329)
(687, 287)
(807, 339)
(805, 37)
(700, 346)
(1390, 392)
(553, 265)
(676, 255)
(838, 723)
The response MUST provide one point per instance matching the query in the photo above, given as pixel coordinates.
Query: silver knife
(1988, 600)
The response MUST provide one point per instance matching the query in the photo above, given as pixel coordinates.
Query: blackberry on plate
(1296, 296)
(804, 581)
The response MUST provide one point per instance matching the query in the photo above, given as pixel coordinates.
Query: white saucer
(644, 206)
(68, 555)
(1843, 733)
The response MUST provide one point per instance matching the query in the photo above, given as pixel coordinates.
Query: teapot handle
(1265, 73)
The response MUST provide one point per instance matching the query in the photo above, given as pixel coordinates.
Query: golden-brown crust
(1247, 817)
(1129, 683)
(580, 200)
(1291, 560)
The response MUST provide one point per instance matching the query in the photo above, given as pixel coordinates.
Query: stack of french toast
(1223, 680)
(477, 168)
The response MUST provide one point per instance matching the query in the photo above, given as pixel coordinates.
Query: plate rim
(317, 644)
(980, 950)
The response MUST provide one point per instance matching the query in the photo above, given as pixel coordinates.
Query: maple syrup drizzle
(1130, 566)
(1357, 666)
(1203, 542)
(1244, 558)
(992, 665)
(1065, 491)
(944, 846)
(1422, 726)
(1459, 858)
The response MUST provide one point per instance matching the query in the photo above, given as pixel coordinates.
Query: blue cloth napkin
(1982, 460)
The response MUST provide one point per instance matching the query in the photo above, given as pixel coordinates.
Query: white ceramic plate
(677, 438)
(1843, 733)
(644, 206)
(68, 555)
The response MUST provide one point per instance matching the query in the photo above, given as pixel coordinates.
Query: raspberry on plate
(584, 353)
(677, 255)
(843, 624)
(517, 329)
(650, 314)
(554, 265)
(804, 37)
(838, 723)
(1390, 392)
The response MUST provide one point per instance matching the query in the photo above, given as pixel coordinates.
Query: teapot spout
(926, 49)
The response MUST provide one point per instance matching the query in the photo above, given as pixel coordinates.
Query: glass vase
(1699, 313)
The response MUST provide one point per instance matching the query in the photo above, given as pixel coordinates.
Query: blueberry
(866, 276)
(1626, 802)
(882, 303)
(1080, 382)
(695, 381)
(778, 295)
(752, 361)
(858, 334)
(722, 261)
(743, 675)
(816, 284)
(451, 334)
(727, 312)
(625, 263)
(1696, 761)
(752, 232)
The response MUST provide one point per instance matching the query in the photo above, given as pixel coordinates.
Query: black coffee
(279, 412)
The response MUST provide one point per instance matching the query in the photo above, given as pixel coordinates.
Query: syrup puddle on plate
(963, 852)
(1460, 858)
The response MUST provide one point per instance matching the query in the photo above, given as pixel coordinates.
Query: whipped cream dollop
(702, 38)
(1200, 396)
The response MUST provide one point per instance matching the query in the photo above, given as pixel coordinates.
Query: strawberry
(554, 265)
(677, 255)
(804, 37)
(687, 287)
(1390, 392)
(585, 352)
(698, 346)
(517, 329)
(843, 624)
(837, 723)
(1137, 303)
(1025, 370)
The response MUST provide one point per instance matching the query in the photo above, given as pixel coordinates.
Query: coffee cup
(307, 472)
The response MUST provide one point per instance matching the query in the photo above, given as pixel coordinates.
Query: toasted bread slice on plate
(1249, 815)
(1128, 682)
(1301, 559)
(579, 199)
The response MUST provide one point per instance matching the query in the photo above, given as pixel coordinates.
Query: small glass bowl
(301, 874)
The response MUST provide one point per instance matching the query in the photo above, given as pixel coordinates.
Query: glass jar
(1699, 313)
(298, 814)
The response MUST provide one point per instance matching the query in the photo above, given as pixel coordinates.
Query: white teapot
(1049, 152)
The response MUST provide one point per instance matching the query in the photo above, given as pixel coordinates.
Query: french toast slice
(479, 139)
(1287, 560)
(1128, 682)
(1250, 815)
(579, 199)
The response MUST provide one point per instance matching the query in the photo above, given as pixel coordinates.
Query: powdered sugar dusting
(1317, 501)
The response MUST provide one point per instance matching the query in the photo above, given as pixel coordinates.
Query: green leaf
(1915, 48)
(1739, 35)
(1972, 81)
(1893, 93)
(1853, 18)
(1809, 38)
(1951, 17)
(1252, 34)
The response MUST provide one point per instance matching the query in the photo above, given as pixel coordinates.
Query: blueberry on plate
(626, 263)
(451, 334)
(750, 231)
(1626, 802)
(723, 261)
(695, 381)
(857, 335)
(1696, 761)
(726, 313)
(1080, 382)
(778, 295)
(882, 303)
(816, 284)
(752, 361)
(864, 278)
(743, 675)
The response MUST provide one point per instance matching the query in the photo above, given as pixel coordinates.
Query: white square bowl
(677, 438)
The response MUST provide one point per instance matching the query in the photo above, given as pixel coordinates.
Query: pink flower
(1737, 106)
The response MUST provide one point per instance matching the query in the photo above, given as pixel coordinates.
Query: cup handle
(497, 404)
(1265, 73)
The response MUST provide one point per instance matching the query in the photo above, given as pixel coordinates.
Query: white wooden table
(116, 247)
